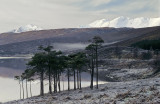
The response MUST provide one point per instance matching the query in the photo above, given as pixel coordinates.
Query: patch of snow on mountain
(26, 28)
(121, 22)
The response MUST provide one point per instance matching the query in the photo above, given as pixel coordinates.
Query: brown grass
(124, 95)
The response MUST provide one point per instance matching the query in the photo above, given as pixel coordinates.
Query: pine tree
(97, 41)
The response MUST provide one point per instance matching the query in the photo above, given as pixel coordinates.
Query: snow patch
(26, 28)
(122, 22)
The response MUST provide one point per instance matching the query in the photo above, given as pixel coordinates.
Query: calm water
(9, 88)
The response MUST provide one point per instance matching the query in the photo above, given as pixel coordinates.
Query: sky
(51, 14)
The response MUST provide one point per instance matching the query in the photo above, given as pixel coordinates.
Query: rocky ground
(125, 66)
(144, 91)
(124, 70)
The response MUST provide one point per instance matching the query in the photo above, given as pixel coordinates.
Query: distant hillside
(75, 34)
(147, 36)
(27, 42)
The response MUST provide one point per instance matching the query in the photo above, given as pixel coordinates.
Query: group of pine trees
(50, 64)
(147, 44)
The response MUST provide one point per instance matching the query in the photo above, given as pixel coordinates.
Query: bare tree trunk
(92, 75)
(74, 79)
(20, 88)
(91, 78)
(80, 79)
(68, 80)
(63, 82)
(50, 86)
(97, 67)
(26, 89)
(59, 85)
(90, 72)
(54, 83)
(23, 89)
(41, 85)
(77, 80)
(30, 89)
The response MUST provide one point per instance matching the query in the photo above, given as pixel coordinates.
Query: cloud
(40, 12)
(70, 13)
(99, 2)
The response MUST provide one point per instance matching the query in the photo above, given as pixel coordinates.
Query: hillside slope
(146, 91)
(75, 34)
(148, 36)
(27, 42)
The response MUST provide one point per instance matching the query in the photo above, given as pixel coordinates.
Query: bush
(87, 96)
(156, 65)
(146, 56)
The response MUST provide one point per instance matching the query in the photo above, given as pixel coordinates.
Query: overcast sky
(50, 14)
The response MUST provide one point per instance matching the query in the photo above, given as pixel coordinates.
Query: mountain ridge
(26, 28)
(122, 22)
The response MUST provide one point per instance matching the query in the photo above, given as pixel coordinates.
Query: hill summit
(26, 28)
(122, 22)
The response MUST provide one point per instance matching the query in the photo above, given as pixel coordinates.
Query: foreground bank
(145, 91)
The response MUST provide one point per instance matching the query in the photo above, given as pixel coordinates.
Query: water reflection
(12, 66)
(10, 88)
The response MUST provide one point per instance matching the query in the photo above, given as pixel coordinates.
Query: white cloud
(99, 2)
(47, 14)
(66, 13)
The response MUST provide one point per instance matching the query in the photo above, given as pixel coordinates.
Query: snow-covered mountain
(126, 22)
(26, 28)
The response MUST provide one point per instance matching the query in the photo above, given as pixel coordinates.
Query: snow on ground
(126, 74)
(121, 22)
(26, 28)
(124, 69)
(145, 91)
